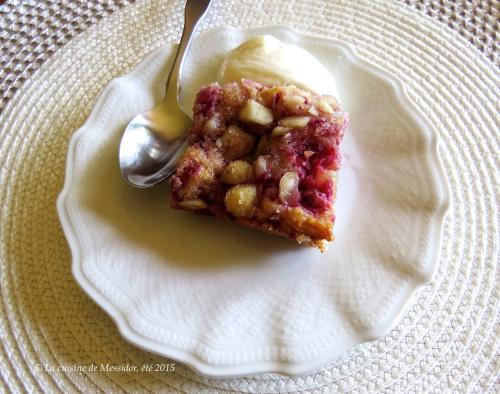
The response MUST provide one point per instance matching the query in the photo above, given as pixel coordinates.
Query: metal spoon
(152, 142)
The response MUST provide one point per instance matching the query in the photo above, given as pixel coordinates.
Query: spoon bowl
(150, 149)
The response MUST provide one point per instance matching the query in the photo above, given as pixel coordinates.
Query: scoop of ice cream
(267, 60)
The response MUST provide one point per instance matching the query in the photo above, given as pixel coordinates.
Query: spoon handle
(193, 13)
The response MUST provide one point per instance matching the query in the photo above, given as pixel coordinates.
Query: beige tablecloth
(51, 72)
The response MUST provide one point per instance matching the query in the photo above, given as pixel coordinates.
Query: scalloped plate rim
(286, 368)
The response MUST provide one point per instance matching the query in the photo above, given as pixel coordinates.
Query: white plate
(232, 301)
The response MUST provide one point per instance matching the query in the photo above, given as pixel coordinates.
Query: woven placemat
(56, 57)
(31, 31)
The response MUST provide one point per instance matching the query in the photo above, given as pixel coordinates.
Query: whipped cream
(267, 60)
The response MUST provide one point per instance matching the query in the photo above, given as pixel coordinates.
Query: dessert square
(265, 157)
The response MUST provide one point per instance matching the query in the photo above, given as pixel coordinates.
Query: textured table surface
(51, 72)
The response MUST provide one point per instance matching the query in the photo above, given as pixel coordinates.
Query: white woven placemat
(448, 338)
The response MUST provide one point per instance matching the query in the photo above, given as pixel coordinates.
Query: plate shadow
(143, 217)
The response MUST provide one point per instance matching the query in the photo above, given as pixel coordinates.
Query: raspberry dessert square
(265, 157)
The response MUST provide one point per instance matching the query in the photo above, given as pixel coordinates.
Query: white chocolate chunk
(323, 106)
(240, 200)
(289, 187)
(293, 102)
(254, 112)
(238, 171)
(260, 166)
(235, 142)
(296, 122)
(278, 131)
